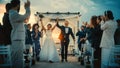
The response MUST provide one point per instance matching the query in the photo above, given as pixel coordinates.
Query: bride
(49, 51)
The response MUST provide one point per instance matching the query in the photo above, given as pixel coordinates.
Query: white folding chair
(6, 53)
(115, 57)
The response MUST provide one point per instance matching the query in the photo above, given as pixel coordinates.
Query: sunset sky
(87, 8)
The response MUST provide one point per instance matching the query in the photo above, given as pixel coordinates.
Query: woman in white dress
(49, 51)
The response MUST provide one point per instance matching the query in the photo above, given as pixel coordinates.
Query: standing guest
(117, 34)
(28, 39)
(66, 31)
(36, 34)
(81, 39)
(1, 35)
(1, 43)
(109, 27)
(7, 28)
(96, 39)
(18, 32)
(81, 35)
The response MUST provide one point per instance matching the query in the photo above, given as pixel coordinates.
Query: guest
(117, 34)
(36, 34)
(7, 28)
(1, 35)
(18, 32)
(89, 29)
(96, 39)
(81, 35)
(1, 43)
(109, 27)
(28, 39)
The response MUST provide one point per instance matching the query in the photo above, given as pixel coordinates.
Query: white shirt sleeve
(104, 25)
(18, 17)
(66, 30)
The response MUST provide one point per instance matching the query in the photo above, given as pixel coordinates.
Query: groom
(64, 38)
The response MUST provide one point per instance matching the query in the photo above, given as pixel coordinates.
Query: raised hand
(57, 19)
(27, 4)
(40, 20)
(103, 18)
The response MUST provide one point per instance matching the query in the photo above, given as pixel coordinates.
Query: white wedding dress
(49, 51)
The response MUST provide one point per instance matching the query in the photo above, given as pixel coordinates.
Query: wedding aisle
(72, 63)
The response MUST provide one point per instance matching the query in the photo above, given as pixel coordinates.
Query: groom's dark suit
(64, 38)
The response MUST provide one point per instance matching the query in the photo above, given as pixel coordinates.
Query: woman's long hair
(109, 14)
(93, 21)
(33, 28)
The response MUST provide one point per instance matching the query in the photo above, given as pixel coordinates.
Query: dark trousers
(64, 50)
(37, 48)
(80, 45)
(97, 56)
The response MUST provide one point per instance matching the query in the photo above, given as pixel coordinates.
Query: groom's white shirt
(66, 30)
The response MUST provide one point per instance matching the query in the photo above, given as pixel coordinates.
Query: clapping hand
(27, 4)
(103, 18)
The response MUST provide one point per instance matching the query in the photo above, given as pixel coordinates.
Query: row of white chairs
(115, 57)
(5, 53)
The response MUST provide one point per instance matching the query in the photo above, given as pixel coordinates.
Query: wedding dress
(49, 51)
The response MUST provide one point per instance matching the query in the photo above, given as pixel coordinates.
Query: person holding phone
(109, 26)
(18, 32)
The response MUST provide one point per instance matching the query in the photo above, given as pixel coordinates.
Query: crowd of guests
(16, 33)
(101, 34)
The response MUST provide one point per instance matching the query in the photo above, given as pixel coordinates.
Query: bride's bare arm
(55, 24)
(43, 28)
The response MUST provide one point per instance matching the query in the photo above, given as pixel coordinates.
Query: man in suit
(18, 32)
(64, 38)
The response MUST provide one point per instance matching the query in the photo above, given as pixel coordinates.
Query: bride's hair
(49, 25)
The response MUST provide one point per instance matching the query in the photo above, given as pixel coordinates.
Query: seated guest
(28, 39)
(1, 35)
(117, 34)
(1, 43)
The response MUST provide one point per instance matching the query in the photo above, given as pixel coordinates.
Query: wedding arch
(72, 17)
